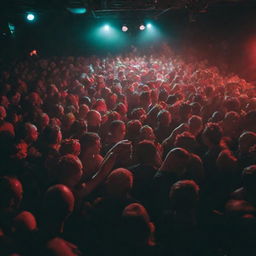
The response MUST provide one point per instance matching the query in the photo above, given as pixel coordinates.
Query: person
(247, 192)
(90, 154)
(212, 135)
(163, 129)
(178, 231)
(108, 209)
(117, 131)
(136, 232)
(93, 119)
(11, 195)
(172, 169)
(147, 159)
(246, 152)
(5, 126)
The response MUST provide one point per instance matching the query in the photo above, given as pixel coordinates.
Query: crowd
(126, 156)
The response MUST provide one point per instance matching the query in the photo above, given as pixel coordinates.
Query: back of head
(119, 183)
(88, 139)
(11, 193)
(195, 123)
(226, 161)
(117, 129)
(136, 225)
(184, 195)
(212, 134)
(176, 158)
(164, 117)
(145, 152)
(246, 141)
(69, 170)
(24, 222)
(147, 133)
(93, 118)
(133, 128)
(58, 204)
(186, 140)
(52, 134)
(249, 179)
(70, 146)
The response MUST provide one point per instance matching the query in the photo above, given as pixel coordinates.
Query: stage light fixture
(142, 27)
(124, 28)
(149, 25)
(106, 28)
(30, 16)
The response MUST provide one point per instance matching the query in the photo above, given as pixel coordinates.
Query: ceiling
(114, 8)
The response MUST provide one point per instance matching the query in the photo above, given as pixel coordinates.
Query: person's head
(117, 130)
(43, 120)
(249, 121)
(246, 141)
(184, 195)
(136, 227)
(11, 194)
(70, 146)
(68, 120)
(176, 160)
(121, 109)
(231, 120)
(146, 152)
(93, 120)
(23, 223)
(195, 124)
(147, 133)
(185, 110)
(212, 134)
(186, 140)
(195, 108)
(58, 204)
(232, 104)
(83, 110)
(249, 179)
(119, 183)
(31, 133)
(138, 114)
(164, 118)
(52, 135)
(226, 161)
(145, 99)
(100, 106)
(90, 144)
(133, 129)
(70, 170)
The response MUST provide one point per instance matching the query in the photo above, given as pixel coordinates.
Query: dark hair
(88, 139)
(213, 133)
(50, 134)
(145, 151)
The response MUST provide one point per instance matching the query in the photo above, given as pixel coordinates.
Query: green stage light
(30, 16)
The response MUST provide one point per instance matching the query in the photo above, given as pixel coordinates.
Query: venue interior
(128, 127)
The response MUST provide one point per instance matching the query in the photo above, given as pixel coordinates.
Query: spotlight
(30, 16)
(142, 27)
(124, 28)
(149, 25)
(106, 28)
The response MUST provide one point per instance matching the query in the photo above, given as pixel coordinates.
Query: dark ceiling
(103, 8)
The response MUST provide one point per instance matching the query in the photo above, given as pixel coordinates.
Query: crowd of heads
(126, 155)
